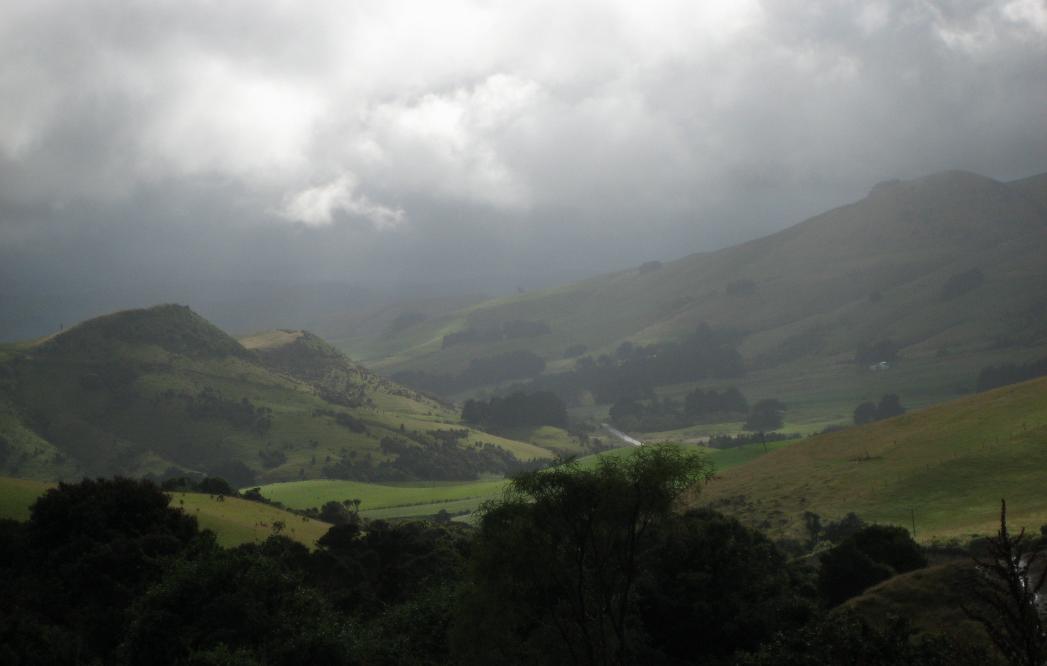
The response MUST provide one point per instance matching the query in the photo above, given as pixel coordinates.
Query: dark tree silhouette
(1004, 592)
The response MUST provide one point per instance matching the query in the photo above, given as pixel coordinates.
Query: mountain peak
(174, 328)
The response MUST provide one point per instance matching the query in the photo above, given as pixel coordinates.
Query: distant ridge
(873, 269)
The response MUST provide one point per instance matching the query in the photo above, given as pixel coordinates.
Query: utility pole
(912, 514)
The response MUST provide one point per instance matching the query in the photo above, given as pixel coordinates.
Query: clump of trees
(698, 406)
(995, 376)
(574, 565)
(209, 403)
(427, 456)
(865, 558)
(633, 371)
(766, 415)
(890, 405)
(517, 410)
(343, 419)
(595, 566)
(743, 439)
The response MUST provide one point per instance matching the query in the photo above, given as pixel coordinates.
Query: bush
(870, 555)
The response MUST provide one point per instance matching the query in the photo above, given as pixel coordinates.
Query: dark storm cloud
(408, 141)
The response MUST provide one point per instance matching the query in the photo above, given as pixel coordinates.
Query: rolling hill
(948, 267)
(944, 468)
(161, 391)
(234, 521)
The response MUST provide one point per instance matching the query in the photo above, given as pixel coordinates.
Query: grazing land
(945, 468)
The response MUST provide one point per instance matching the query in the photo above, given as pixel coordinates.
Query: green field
(234, 521)
(948, 466)
(387, 501)
(417, 500)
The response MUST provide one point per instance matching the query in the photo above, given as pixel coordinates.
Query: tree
(251, 602)
(870, 555)
(765, 415)
(213, 485)
(865, 413)
(92, 548)
(1005, 595)
(890, 406)
(557, 564)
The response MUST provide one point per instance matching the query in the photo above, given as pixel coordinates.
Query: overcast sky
(156, 141)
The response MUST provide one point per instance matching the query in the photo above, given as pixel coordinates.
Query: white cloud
(317, 206)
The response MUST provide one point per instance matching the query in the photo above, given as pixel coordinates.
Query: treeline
(210, 404)
(633, 371)
(480, 372)
(890, 405)
(341, 418)
(427, 456)
(652, 414)
(995, 376)
(744, 439)
(517, 410)
(508, 330)
(573, 565)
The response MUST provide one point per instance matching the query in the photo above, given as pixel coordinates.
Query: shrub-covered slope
(145, 391)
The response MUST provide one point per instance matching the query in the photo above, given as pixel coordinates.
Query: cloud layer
(355, 140)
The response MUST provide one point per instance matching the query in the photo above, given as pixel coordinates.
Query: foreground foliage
(575, 565)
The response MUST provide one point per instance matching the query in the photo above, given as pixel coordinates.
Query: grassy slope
(950, 463)
(903, 241)
(234, 521)
(104, 398)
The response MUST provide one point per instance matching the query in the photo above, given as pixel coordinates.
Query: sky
(478, 145)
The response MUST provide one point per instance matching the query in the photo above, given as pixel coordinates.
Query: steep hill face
(944, 468)
(943, 264)
(308, 358)
(144, 391)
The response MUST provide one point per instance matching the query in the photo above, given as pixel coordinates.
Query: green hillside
(234, 521)
(161, 391)
(950, 267)
(948, 465)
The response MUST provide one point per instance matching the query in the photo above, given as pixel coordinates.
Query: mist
(268, 164)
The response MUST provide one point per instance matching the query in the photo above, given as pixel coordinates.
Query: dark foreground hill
(162, 390)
